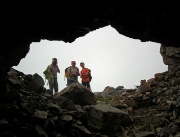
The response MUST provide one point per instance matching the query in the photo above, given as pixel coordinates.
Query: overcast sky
(115, 60)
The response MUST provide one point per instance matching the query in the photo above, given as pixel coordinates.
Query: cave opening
(115, 60)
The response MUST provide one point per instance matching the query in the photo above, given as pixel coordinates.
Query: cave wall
(171, 57)
(66, 21)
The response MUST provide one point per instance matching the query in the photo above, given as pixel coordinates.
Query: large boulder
(79, 94)
(107, 119)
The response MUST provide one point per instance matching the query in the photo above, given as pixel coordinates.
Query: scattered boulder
(78, 94)
(107, 119)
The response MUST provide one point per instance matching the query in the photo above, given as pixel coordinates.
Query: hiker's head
(82, 64)
(54, 60)
(73, 63)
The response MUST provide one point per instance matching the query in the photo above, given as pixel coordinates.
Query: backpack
(89, 75)
(46, 74)
(65, 73)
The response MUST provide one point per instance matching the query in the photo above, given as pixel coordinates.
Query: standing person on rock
(73, 73)
(53, 69)
(85, 76)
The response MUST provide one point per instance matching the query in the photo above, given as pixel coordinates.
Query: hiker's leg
(55, 84)
(84, 83)
(50, 84)
(68, 82)
(88, 86)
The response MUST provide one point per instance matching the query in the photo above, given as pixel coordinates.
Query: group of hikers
(71, 73)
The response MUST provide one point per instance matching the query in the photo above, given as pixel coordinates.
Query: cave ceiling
(147, 21)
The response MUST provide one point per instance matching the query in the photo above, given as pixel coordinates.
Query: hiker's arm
(78, 74)
(74, 74)
(58, 70)
(87, 72)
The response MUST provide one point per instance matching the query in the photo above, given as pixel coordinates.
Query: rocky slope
(154, 106)
(152, 109)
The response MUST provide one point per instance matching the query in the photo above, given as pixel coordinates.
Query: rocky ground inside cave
(150, 110)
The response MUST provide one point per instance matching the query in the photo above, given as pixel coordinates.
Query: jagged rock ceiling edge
(146, 21)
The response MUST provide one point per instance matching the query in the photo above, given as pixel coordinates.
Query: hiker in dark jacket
(53, 69)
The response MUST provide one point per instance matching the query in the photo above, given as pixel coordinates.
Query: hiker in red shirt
(85, 76)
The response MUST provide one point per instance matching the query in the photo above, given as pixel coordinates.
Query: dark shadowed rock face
(171, 57)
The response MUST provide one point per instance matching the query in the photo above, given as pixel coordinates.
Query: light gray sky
(115, 60)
